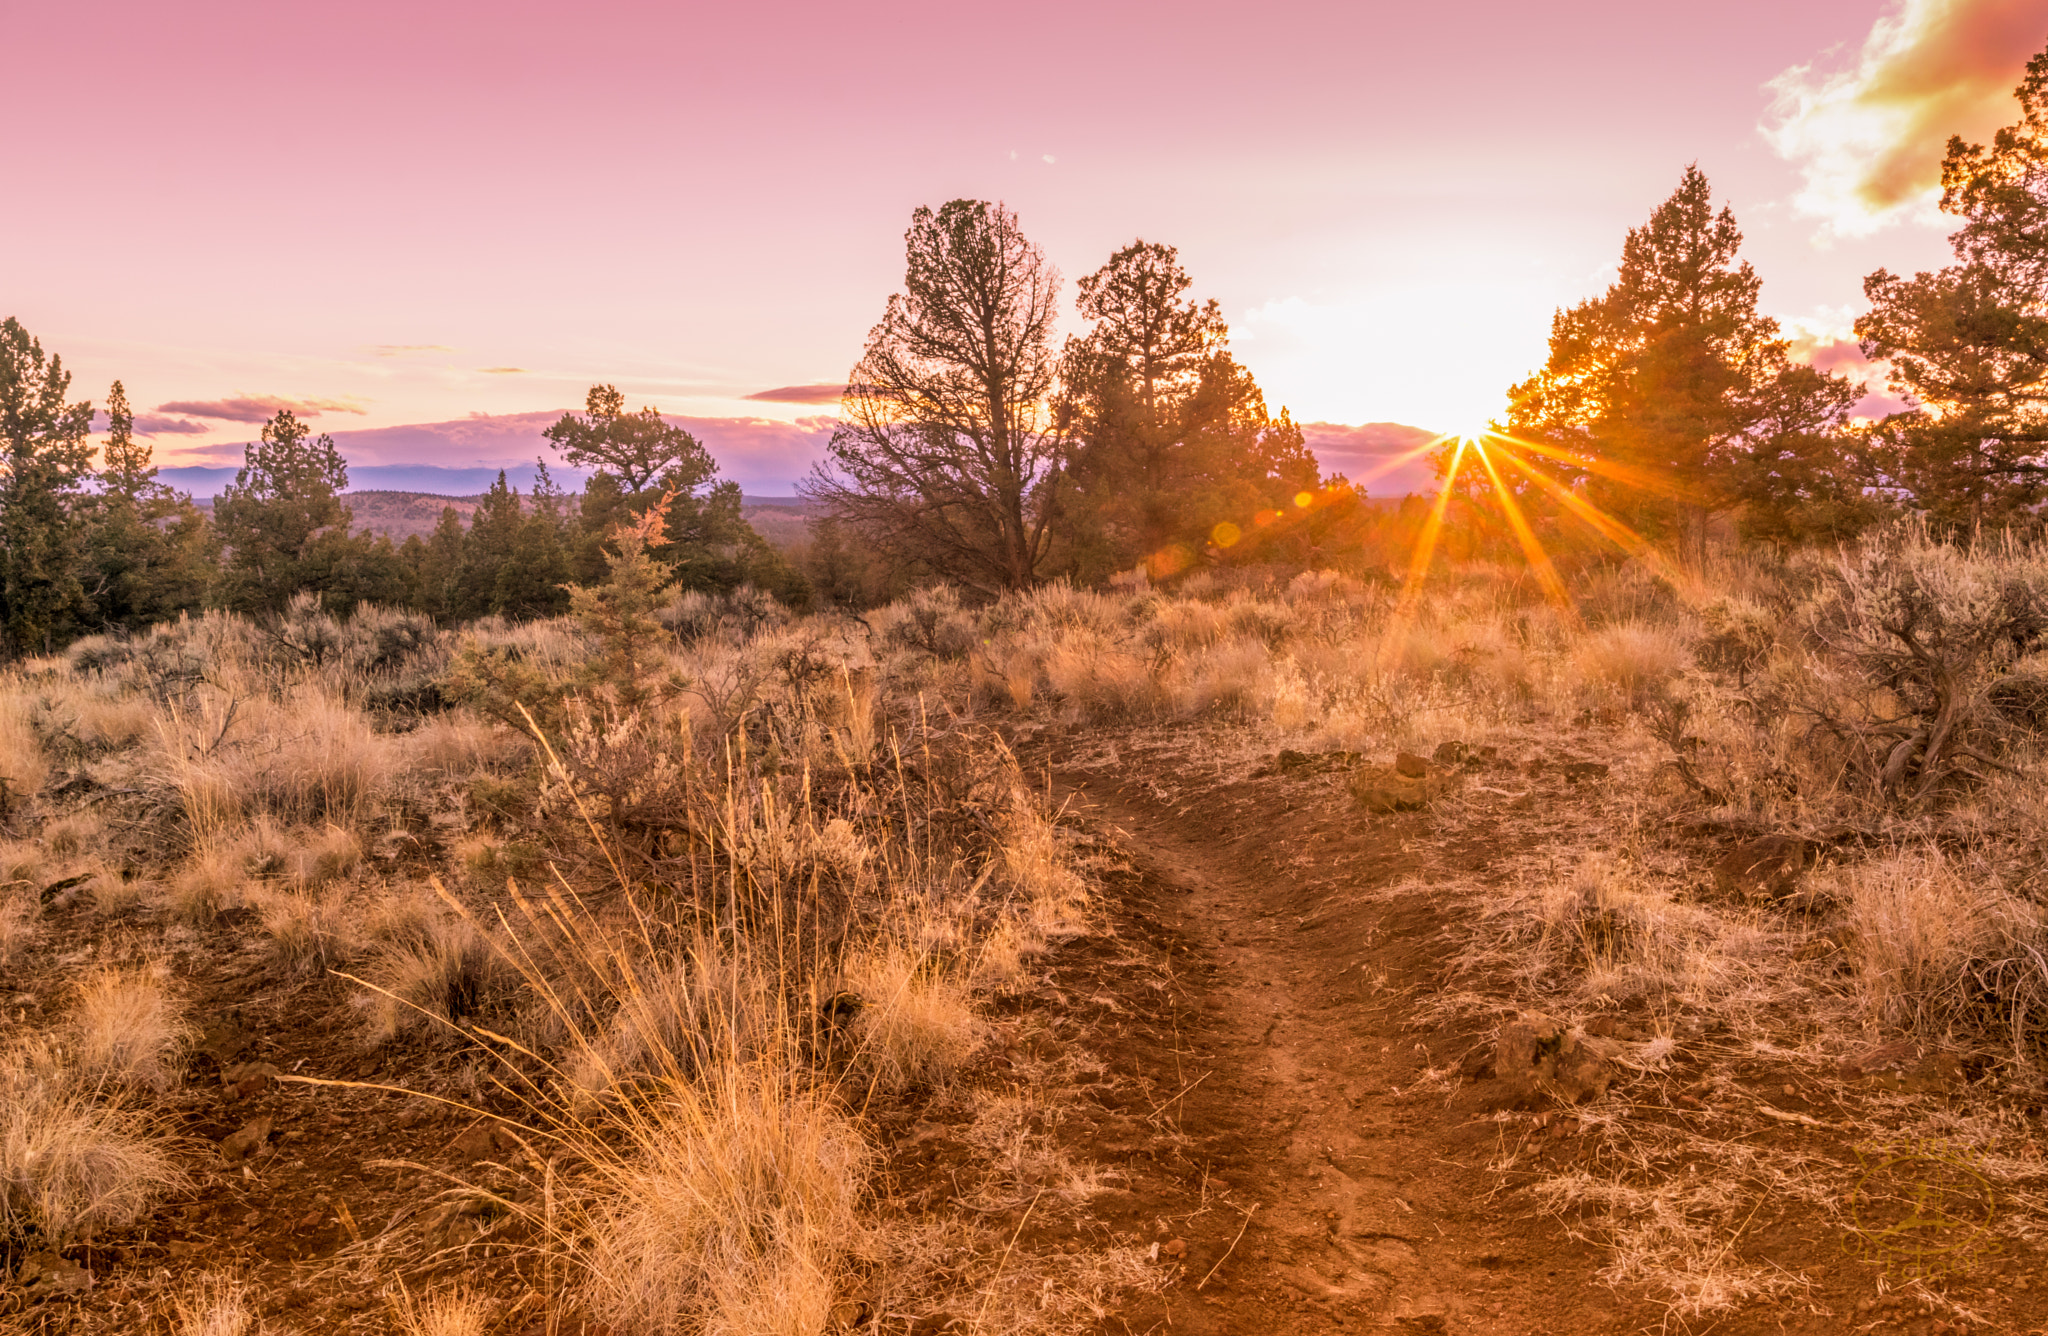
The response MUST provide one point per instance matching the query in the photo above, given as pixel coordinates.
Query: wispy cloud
(802, 394)
(503, 370)
(1870, 138)
(401, 349)
(257, 407)
(152, 424)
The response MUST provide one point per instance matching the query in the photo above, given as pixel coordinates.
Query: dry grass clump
(1939, 949)
(432, 973)
(213, 879)
(1674, 1237)
(1635, 659)
(916, 1024)
(304, 756)
(323, 856)
(127, 1030)
(706, 1005)
(215, 1305)
(70, 1166)
(459, 744)
(18, 927)
(23, 765)
(308, 933)
(454, 1312)
(734, 1209)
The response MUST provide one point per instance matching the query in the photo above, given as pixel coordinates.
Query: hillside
(782, 520)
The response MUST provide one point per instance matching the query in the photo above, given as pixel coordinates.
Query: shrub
(69, 1166)
(734, 1210)
(127, 1030)
(1940, 949)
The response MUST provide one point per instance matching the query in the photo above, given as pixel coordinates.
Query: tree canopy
(948, 454)
(1968, 344)
(639, 449)
(1167, 436)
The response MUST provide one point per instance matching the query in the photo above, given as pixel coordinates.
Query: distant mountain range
(765, 456)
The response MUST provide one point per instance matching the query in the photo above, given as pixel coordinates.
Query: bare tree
(948, 455)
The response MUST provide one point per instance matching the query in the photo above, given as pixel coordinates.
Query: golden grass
(734, 1209)
(71, 1166)
(454, 1312)
(127, 1030)
(915, 1024)
(1940, 949)
(215, 1305)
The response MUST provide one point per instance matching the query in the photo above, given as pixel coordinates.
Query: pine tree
(1658, 384)
(1168, 435)
(149, 549)
(285, 498)
(47, 454)
(1967, 345)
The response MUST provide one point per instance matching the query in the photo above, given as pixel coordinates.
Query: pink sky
(414, 213)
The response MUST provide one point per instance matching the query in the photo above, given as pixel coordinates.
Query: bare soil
(1339, 1167)
(1236, 1055)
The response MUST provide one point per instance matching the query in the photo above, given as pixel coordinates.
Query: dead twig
(1231, 1249)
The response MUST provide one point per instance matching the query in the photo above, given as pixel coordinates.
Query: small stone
(246, 1142)
(247, 1078)
(1538, 1056)
(1410, 766)
(1174, 1248)
(47, 1273)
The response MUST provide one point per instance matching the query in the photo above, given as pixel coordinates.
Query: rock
(46, 1275)
(1537, 1056)
(1450, 753)
(1174, 1248)
(246, 1078)
(1385, 789)
(241, 1145)
(1410, 766)
(1578, 772)
(223, 1041)
(1765, 868)
(482, 1141)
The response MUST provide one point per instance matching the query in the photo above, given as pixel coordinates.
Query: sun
(1471, 433)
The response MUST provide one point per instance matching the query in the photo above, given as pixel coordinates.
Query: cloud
(150, 424)
(1383, 458)
(1870, 138)
(503, 370)
(1827, 343)
(257, 407)
(802, 394)
(401, 349)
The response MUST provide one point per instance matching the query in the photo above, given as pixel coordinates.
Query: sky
(455, 217)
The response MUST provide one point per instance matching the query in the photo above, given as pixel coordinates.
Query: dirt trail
(1306, 1104)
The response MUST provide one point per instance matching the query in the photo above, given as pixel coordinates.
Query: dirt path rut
(1331, 1168)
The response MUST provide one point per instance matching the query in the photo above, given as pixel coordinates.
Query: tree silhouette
(1659, 382)
(285, 498)
(639, 449)
(948, 455)
(1167, 435)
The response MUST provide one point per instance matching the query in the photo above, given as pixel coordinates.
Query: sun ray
(1608, 527)
(1532, 547)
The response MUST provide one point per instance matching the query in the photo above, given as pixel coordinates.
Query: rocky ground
(1230, 1110)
